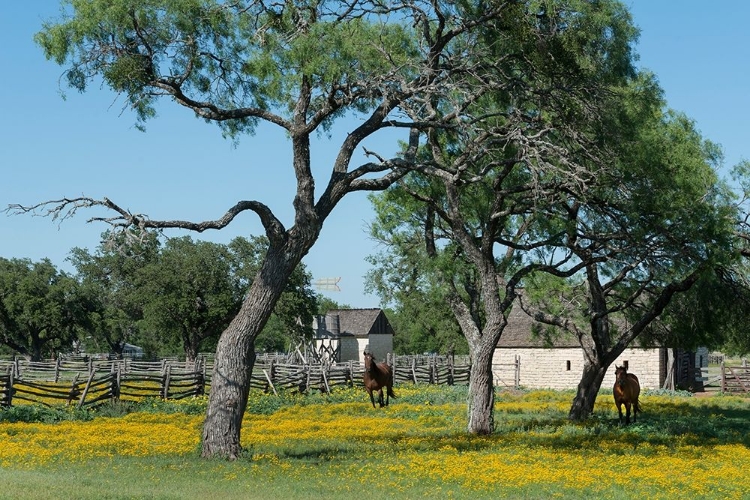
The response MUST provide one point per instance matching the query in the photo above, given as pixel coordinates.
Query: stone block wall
(381, 346)
(561, 368)
(353, 348)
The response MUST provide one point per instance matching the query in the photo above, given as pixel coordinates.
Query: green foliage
(42, 310)
(109, 275)
(178, 296)
(189, 293)
(38, 413)
(243, 55)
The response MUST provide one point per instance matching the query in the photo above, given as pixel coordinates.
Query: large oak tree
(42, 310)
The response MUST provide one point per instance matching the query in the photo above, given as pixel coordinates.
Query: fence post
(11, 382)
(723, 378)
(269, 381)
(75, 391)
(165, 382)
(517, 380)
(116, 378)
(57, 369)
(86, 389)
(325, 381)
(8, 400)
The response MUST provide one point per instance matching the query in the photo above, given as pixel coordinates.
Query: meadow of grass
(338, 446)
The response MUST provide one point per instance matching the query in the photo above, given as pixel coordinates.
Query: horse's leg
(627, 413)
(387, 395)
(380, 398)
(372, 399)
(619, 410)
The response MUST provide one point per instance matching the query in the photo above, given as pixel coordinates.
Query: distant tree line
(169, 297)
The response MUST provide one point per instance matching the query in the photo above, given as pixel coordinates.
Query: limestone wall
(380, 346)
(561, 368)
(353, 348)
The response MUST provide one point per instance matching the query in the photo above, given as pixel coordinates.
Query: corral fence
(735, 378)
(90, 382)
(86, 383)
(272, 372)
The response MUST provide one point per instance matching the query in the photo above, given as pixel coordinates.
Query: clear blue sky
(182, 168)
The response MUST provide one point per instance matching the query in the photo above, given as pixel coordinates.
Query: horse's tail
(391, 393)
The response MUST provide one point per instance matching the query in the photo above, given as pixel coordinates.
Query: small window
(700, 360)
(625, 364)
(567, 364)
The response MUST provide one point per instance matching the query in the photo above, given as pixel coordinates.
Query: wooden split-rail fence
(86, 383)
(90, 382)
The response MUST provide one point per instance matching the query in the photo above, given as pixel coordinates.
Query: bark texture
(481, 393)
(588, 387)
(235, 357)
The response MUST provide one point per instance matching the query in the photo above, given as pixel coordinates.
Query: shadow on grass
(699, 423)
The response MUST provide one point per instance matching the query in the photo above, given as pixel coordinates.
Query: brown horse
(377, 376)
(626, 392)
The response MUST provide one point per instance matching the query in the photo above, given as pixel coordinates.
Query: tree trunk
(669, 376)
(230, 385)
(481, 392)
(588, 388)
(235, 356)
(35, 353)
(191, 351)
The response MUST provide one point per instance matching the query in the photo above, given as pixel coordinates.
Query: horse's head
(621, 375)
(369, 361)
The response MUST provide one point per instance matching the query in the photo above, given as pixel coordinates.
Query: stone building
(559, 365)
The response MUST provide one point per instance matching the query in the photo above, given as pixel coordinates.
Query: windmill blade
(328, 284)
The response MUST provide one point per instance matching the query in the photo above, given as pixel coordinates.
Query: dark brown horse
(626, 392)
(377, 376)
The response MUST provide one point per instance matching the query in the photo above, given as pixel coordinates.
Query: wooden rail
(95, 381)
(735, 378)
(89, 383)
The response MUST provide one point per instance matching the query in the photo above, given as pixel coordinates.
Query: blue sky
(182, 168)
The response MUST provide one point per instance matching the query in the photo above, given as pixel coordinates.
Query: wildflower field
(338, 446)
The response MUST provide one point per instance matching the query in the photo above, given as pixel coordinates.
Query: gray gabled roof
(361, 322)
(523, 331)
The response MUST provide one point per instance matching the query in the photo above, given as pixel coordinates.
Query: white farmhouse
(342, 334)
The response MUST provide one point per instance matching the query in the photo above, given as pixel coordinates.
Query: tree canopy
(180, 294)
(42, 310)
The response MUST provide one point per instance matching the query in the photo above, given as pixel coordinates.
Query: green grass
(339, 447)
